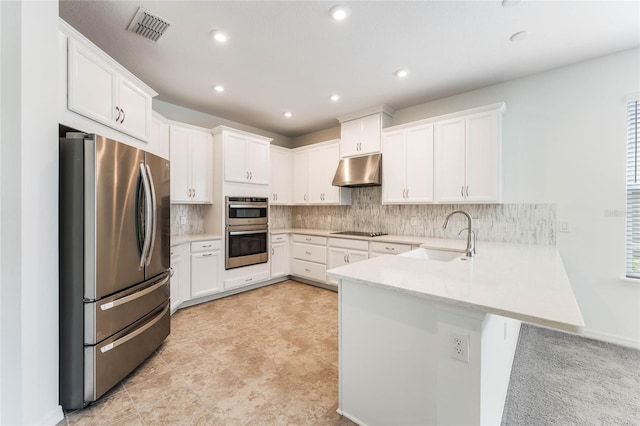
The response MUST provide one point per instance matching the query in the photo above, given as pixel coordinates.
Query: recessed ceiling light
(402, 73)
(288, 114)
(339, 12)
(335, 98)
(218, 88)
(519, 36)
(219, 36)
(510, 3)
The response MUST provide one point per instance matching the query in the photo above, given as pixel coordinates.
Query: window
(633, 187)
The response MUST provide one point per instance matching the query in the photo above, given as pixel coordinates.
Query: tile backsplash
(509, 223)
(195, 219)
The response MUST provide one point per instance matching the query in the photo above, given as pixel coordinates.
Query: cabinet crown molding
(385, 109)
(219, 129)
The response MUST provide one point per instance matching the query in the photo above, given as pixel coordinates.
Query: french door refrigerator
(114, 263)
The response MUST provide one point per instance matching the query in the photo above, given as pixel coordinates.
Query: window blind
(633, 190)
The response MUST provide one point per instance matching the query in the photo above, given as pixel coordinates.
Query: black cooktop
(360, 234)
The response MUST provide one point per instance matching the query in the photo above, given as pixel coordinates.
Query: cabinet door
(280, 172)
(159, 138)
(92, 84)
(257, 153)
(483, 157)
(279, 260)
(419, 168)
(370, 134)
(201, 164)
(335, 257)
(176, 273)
(394, 172)
(450, 160)
(135, 106)
(355, 256)
(180, 173)
(300, 172)
(350, 132)
(235, 162)
(331, 194)
(316, 178)
(205, 273)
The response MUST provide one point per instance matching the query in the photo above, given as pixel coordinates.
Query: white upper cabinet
(101, 90)
(314, 168)
(246, 157)
(468, 166)
(159, 136)
(191, 166)
(360, 133)
(407, 175)
(280, 183)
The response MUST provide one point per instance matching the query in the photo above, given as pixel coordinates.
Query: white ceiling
(290, 55)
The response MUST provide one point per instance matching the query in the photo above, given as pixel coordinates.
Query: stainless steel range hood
(359, 171)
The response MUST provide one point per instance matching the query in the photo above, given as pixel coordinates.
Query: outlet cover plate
(459, 347)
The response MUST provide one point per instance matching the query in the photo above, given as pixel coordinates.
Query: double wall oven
(247, 229)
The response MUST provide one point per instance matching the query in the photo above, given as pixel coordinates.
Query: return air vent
(147, 25)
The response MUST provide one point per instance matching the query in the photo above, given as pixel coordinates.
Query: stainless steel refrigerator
(114, 263)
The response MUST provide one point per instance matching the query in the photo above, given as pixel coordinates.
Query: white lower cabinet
(342, 252)
(247, 279)
(206, 268)
(309, 257)
(378, 248)
(279, 255)
(180, 275)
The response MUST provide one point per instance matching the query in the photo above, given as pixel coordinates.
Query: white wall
(564, 142)
(29, 219)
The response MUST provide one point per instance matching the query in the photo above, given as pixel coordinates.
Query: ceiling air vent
(147, 25)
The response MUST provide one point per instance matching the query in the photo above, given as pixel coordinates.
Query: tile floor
(264, 357)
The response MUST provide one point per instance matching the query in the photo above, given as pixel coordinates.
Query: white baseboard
(54, 417)
(610, 338)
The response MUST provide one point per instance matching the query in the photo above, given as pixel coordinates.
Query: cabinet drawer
(310, 252)
(349, 244)
(246, 280)
(309, 239)
(199, 246)
(279, 238)
(388, 248)
(312, 271)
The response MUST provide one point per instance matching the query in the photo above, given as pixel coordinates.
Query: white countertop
(526, 282)
(398, 239)
(180, 239)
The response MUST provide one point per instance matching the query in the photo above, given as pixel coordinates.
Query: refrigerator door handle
(134, 296)
(147, 214)
(153, 213)
(125, 339)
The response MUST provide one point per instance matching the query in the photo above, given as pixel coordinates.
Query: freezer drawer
(109, 362)
(107, 316)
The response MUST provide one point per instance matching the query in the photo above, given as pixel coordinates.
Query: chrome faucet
(470, 250)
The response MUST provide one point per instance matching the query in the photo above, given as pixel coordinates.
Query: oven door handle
(247, 206)
(262, 231)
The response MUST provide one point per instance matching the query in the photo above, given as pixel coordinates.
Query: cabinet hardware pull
(207, 254)
(467, 190)
(118, 117)
(344, 258)
(390, 248)
(307, 269)
(248, 279)
(171, 271)
(247, 176)
(272, 252)
(307, 252)
(348, 258)
(194, 192)
(250, 175)
(307, 239)
(123, 116)
(462, 191)
(206, 245)
(407, 192)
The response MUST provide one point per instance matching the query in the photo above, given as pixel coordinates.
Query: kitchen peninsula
(426, 341)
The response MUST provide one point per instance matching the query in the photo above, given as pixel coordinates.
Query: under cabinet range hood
(359, 171)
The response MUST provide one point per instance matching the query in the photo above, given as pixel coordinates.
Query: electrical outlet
(459, 347)
(183, 220)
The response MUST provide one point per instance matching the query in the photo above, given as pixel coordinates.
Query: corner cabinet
(100, 89)
(280, 184)
(467, 158)
(407, 169)
(314, 168)
(246, 156)
(191, 156)
(360, 132)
